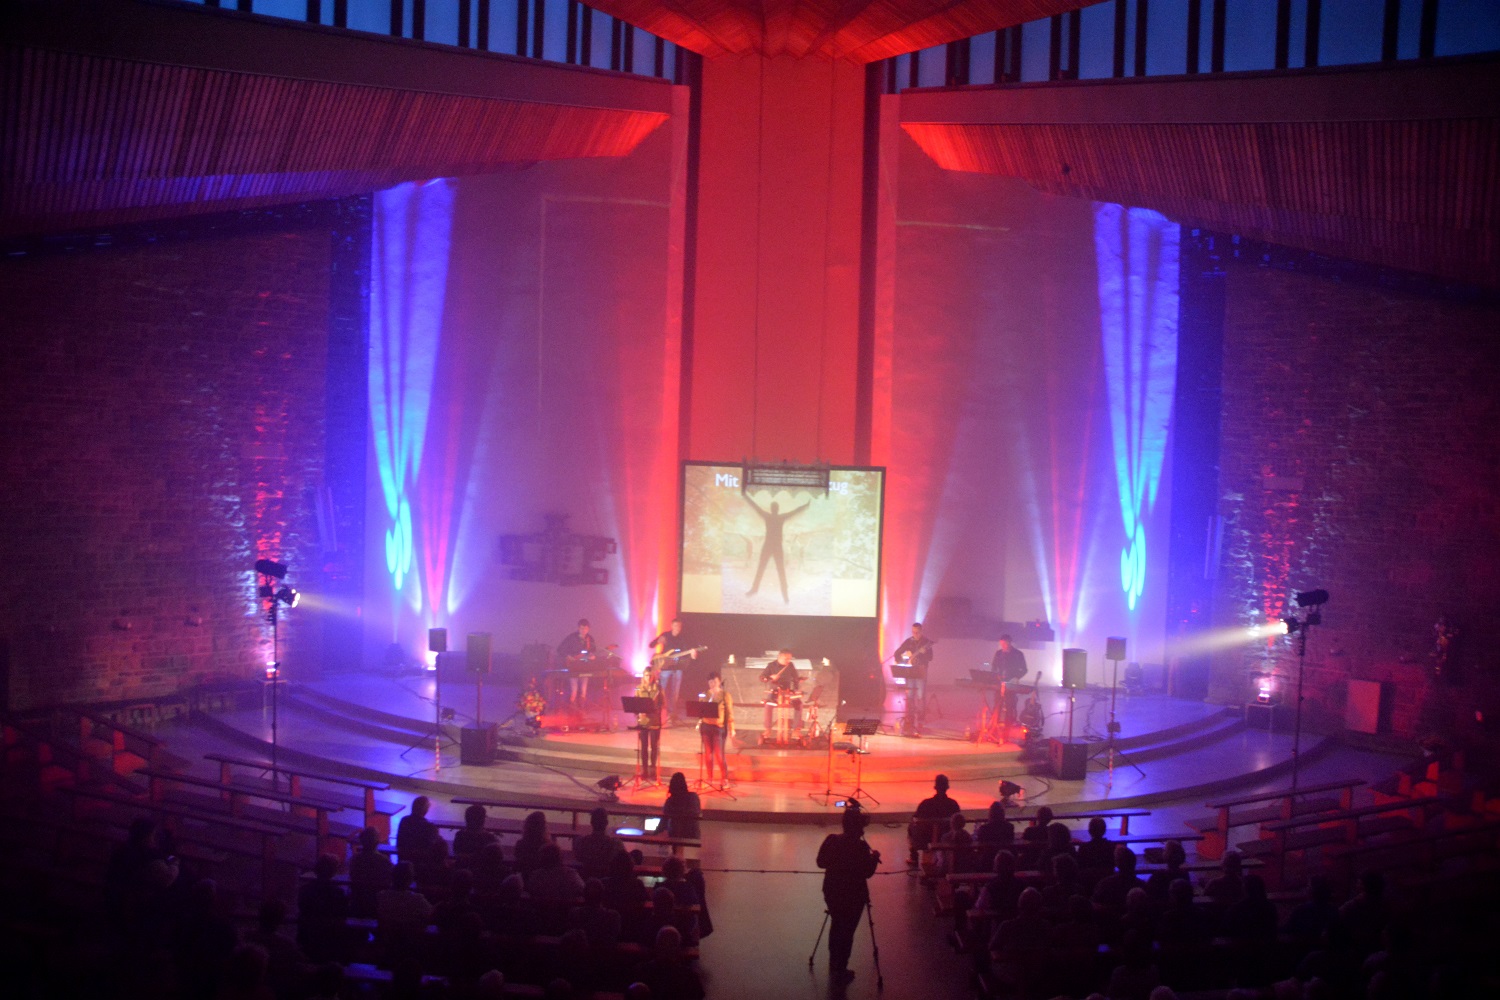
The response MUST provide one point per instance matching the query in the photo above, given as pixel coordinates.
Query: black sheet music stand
(860, 729)
(907, 674)
(640, 706)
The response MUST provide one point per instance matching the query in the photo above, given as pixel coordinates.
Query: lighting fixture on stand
(273, 573)
(1311, 602)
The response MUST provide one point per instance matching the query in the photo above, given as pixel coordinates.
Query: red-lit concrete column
(777, 264)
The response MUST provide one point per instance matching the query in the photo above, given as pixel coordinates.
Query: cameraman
(847, 862)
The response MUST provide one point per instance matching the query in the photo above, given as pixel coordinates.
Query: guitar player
(672, 643)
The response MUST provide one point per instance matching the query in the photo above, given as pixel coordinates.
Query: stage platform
(382, 727)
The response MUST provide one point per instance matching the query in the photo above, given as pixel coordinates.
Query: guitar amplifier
(1069, 758)
(476, 745)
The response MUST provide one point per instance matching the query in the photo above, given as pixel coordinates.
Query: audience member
(932, 812)
(1096, 856)
(322, 906)
(1156, 885)
(416, 834)
(667, 973)
(1057, 895)
(958, 844)
(598, 922)
(682, 809)
(996, 831)
(1136, 975)
(594, 851)
(1034, 837)
(534, 836)
(1110, 893)
(370, 873)
(1000, 893)
(471, 841)
(401, 907)
(552, 883)
(285, 962)
(1228, 887)
(1363, 917)
(1313, 922)
(1253, 918)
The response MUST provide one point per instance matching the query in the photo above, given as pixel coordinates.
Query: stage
(383, 727)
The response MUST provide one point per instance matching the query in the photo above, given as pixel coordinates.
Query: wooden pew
(129, 749)
(234, 797)
(1268, 807)
(376, 813)
(1123, 815)
(1300, 833)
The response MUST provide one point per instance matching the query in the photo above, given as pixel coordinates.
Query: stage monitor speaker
(1075, 668)
(476, 745)
(1070, 760)
(479, 654)
(437, 640)
(1114, 647)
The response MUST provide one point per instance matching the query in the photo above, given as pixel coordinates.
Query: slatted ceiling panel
(863, 30)
(1418, 195)
(87, 138)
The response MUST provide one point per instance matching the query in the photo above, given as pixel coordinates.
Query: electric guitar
(662, 659)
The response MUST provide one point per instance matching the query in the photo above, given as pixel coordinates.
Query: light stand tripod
(1313, 601)
(1115, 652)
(439, 738)
(270, 573)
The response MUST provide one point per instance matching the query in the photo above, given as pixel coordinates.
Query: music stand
(639, 706)
(906, 675)
(702, 710)
(861, 729)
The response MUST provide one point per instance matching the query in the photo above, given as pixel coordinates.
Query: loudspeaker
(1070, 760)
(437, 640)
(476, 745)
(1075, 668)
(1114, 647)
(479, 654)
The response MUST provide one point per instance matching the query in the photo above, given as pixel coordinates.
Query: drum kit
(789, 704)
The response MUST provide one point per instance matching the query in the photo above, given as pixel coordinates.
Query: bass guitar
(662, 659)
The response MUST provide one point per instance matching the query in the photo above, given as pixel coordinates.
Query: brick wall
(162, 415)
(1360, 453)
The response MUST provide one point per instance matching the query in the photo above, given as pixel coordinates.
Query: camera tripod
(875, 945)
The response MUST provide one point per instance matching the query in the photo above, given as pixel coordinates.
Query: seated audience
(370, 872)
(682, 809)
(322, 906)
(471, 841)
(1228, 887)
(286, 963)
(596, 849)
(958, 855)
(667, 973)
(416, 833)
(1110, 893)
(932, 813)
(1156, 885)
(1096, 856)
(534, 836)
(552, 883)
(598, 922)
(996, 830)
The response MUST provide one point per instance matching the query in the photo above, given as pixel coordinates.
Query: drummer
(781, 675)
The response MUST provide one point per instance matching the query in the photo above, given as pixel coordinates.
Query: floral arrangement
(531, 701)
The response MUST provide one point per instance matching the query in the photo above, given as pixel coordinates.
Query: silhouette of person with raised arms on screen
(771, 547)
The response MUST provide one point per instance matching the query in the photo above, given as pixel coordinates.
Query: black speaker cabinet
(476, 745)
(479, 654)
(1075, 668)
(1114, 647)
(437, 640)
(1070, 760)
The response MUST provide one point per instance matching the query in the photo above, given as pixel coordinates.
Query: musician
(669, 642)
(915, 652)
(717, 730)
(1008, 665)
(649, 723)
(781, 675)
(577, 649)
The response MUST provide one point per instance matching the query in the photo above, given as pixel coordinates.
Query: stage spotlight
(731, 659)
(609, 785)
(289, 597)
(1289, 626)
(1312, 598)
(1009, 789)
(270, 568)
(446, 715)
(825, 661)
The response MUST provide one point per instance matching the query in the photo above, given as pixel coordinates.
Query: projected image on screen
(782, 551)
